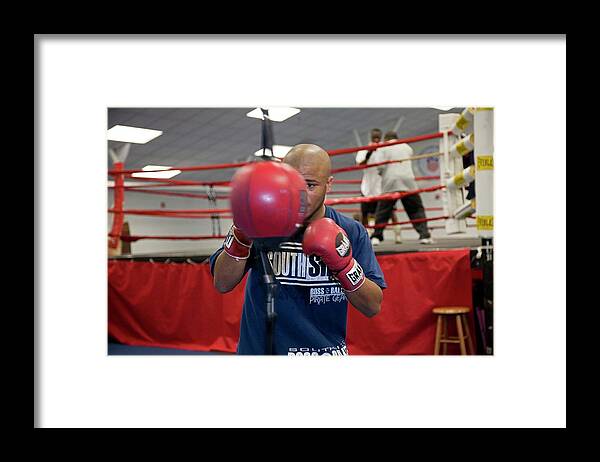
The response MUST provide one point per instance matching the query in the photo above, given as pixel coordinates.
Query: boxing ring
(167, 299)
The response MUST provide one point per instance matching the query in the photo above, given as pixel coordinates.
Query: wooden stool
(460, 312)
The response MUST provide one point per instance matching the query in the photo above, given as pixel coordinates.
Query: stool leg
(445, 336)
(438, 332)
(468, 332)
(463, 350)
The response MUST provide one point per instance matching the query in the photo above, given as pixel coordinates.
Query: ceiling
(203, 136)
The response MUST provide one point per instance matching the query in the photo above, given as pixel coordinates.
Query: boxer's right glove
(324, 238)
(237, 245)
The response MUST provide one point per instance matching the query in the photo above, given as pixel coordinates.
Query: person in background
(371, 184)
(398, 177)
(371, 180)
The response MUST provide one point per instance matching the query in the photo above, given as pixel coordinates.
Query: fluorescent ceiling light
(167, 174)
(278, 151)
(276, 114)
(111, 183)
(132, 134)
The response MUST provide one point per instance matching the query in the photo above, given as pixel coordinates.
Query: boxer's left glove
(324, 238)
(237, 245)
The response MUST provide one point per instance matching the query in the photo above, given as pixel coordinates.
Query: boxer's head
(376, 135)
(314, 165)
(391, 135)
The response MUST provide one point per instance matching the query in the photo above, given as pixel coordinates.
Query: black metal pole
(271, 284)
(488, 292)
(267, 139)
(263, 245)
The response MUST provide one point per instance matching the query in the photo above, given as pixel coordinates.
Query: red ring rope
(388, 196)
(417, 220)
(373, 147)
(169, 182)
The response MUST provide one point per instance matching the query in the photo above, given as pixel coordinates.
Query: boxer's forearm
(227, 272)
(367, 299)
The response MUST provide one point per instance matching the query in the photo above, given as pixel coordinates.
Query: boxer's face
(314, 165)
(318, 184)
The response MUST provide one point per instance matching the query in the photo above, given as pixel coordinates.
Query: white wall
(141, 225)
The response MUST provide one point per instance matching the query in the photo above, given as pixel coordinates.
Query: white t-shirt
(398, 176)
(371, 180)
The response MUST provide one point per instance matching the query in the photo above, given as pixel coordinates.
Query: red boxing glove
(237, 245)
(324, 238)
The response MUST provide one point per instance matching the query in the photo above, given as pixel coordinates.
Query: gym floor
(120, 349)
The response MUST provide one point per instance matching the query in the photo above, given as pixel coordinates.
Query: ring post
(451, 165)
(118, 157)
(484, 171)
(484, 194)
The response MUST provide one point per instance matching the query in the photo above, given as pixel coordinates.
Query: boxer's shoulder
(352, 227)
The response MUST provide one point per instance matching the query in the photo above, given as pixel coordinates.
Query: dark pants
(414, 209)
(367, 208)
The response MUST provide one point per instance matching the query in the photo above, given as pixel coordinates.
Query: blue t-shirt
(311, 306)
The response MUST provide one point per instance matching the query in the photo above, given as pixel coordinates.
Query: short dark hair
(390, 135)
(376, 130)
